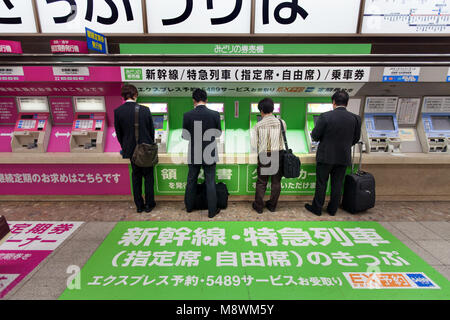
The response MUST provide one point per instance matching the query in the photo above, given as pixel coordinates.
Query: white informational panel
(436, 105)
(319, 107)
(89, 104)
(276, 108)
(408, 110)
(188, 16)
(156, 107)
(406, 16)
(381, 105)
(216, 106)
(306, 16)
(17, 16)
(112, 16)
(33, 104)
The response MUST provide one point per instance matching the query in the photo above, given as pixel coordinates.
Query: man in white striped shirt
(267, 140)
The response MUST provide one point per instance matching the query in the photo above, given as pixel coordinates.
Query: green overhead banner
(243, 49)
(290, 260)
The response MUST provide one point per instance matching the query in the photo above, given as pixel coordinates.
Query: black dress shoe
(331, 213)
(257, 210)
(149, 208)
(270, 208)
(139, 210)
(214, 214)
(311, 209)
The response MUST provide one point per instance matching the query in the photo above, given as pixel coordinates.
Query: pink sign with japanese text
(68, 46)
(62, 110)
(8, 110)
(7, 46)
(65, 179)
(29, 244)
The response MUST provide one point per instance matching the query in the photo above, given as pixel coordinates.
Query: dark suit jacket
(209, 120)
(336, 131)
(124, 125)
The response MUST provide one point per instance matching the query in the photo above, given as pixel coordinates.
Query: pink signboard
(62, 110)
(5, 138)
(68, 46)
(60, 89)
(8, 110)
(7, 46)
(65, 179)
(112, 144)
(65, 74)
(60, 139)
(16, 265)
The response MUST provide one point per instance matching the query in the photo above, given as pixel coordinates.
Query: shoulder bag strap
(136, 123)
(284, 135)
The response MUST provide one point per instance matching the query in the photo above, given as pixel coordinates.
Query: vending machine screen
(158, 122)
(385, 123)
(441, 123)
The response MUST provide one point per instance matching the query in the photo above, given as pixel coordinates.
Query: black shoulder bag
(145, 155)
(290, 164)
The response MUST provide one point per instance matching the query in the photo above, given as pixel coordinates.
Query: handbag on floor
(201, 200)
(145, 155)
(290, 164)
(359, 189)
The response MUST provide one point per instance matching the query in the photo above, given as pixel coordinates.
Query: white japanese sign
(407, 110)
(38, 235)
(306, 16)
(105, 16)
(436, 105)
(188, 16)
(11, 71)
(71, 71)
(401, 16)
(246, 74)
(381, 105)
(17, 17)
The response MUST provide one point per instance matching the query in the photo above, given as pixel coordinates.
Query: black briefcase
(290, 163)
(359, 190)
(201, 200)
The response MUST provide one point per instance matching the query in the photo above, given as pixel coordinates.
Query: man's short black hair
(129, 92)
(266, 105)
(199, 95)
(340, 98)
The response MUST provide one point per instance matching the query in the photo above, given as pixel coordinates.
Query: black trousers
(261, 186)
(191, 187)
(139, 173)
(337, 174)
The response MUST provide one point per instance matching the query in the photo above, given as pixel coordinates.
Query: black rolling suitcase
(359, 189)
(201, 201)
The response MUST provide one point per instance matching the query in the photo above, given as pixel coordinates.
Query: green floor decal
(181, 260)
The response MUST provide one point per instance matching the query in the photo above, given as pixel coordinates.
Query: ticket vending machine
(89, 125)
(434, 125)
(380, 127)
(313, 111)
(161, 124)
(255, 114)
(220, 108)
(33, 127)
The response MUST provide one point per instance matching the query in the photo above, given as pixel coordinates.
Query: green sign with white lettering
(314, 260)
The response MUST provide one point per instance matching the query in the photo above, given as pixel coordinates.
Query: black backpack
(290, 164)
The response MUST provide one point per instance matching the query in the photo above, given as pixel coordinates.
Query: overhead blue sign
(96, 41)
(400, 78)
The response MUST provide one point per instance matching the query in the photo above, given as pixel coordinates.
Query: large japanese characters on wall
(223, 17)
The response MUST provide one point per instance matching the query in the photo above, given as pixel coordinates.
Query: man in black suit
(337, 131)
(201, 126)
(124, 123)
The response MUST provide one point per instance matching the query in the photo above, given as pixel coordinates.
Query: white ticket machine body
(89, 125)
(220, 108)
(33, 128)
(434, 125)
(160, 123)
(313, 112)
(380, 127)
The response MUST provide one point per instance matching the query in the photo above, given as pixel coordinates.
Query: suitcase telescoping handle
(360, 143)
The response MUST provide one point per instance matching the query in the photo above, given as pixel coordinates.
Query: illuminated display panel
(158, 122)
(276, 108)
(33, 104)
(90, 104)
(156, 107)
(219, 107)
(319, 107)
